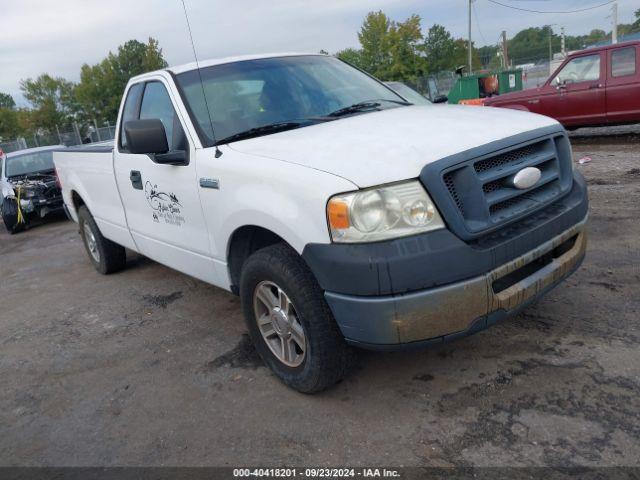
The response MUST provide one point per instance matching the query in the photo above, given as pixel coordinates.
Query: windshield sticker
(166, 206)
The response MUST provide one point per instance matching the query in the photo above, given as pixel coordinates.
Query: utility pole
(470, 62)
(505, 53)
(614, 20)
(550, 50)
(563, 48)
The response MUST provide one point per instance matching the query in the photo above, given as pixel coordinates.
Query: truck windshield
(408, 93)
(296, 90)
(18, 165)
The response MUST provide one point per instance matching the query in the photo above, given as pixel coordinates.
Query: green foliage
(389, 50)
(407, 62)
(52, 99)
(56, 101)
(446, 53)
(352, 56)
(101, 86)
(9, 126)
(532, 44)
(6, 101)
(629, 28)
(439, 46)
(374, 40)
(488, 57)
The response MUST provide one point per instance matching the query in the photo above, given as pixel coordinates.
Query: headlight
(381, 213)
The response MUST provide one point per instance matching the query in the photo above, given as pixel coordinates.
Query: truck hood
(393, 144)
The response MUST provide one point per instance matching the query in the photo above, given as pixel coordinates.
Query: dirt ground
(151, 367)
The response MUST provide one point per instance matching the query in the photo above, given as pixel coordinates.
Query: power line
(552, 11)
(475, 13)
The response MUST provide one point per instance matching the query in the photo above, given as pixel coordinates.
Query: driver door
(161, 201)
(580, 92)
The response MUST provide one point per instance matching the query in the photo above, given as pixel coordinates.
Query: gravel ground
(151, 367)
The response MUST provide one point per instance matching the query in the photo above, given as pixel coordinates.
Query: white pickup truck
(340, 213)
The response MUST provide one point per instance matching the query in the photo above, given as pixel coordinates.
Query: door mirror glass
(146, 136)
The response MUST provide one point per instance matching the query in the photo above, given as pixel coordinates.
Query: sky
(38, 36)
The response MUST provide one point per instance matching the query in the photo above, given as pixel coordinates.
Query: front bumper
(434, 287)
(459, 309)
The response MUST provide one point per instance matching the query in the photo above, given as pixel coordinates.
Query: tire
(10, 216)
(106, 256)
(327, 358)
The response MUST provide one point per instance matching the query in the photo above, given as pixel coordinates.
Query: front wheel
(290, 322)
(14, 220)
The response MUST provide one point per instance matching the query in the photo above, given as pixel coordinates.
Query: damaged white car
(30, 187)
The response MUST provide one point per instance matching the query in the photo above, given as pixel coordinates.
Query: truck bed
(89, 168)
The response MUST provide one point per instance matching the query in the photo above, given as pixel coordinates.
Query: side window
(130, 111)
(156, 103)
(581, 69)
(623, 62)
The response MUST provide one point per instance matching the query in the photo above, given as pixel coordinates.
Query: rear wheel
(106, 256)
(290, 322)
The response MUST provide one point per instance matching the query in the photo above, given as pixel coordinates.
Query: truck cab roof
(186, 67)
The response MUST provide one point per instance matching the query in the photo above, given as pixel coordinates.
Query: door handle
(594, 86)
(136, 179)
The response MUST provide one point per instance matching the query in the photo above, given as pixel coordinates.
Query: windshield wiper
(364, 106)
(356, 107)
(258, 131)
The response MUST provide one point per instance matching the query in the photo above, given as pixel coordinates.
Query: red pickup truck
(593, 87)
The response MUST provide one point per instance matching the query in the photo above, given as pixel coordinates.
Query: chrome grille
(482, 192)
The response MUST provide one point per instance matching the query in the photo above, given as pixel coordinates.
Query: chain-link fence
(19, 144)
(68, 135)
(100, 134)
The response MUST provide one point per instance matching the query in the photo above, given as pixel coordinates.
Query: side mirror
(440, 99)
(560, 83)
(148, 137)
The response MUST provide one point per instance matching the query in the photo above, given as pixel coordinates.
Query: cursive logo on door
(166, 206)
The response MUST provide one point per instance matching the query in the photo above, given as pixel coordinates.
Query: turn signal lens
(338, 212)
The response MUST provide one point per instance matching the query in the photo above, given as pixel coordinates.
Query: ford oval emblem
(526, 178)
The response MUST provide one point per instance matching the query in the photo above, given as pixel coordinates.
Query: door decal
(165, 206)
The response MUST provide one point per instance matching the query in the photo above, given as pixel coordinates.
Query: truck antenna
(218, 153)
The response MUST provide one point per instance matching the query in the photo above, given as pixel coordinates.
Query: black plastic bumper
(439, 257)
(435, 287)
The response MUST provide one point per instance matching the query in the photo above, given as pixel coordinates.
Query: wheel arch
(243, 242)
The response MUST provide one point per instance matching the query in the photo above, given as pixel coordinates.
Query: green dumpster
(486, 84)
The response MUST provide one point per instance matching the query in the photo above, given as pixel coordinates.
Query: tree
(101, 86)
(406, 61)
(629, 28)
(9, 127)
(439, 47)
(352, 56)
(389, 50)
(52, 99)
(6, 101)
(374, 39)
(446, 53)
